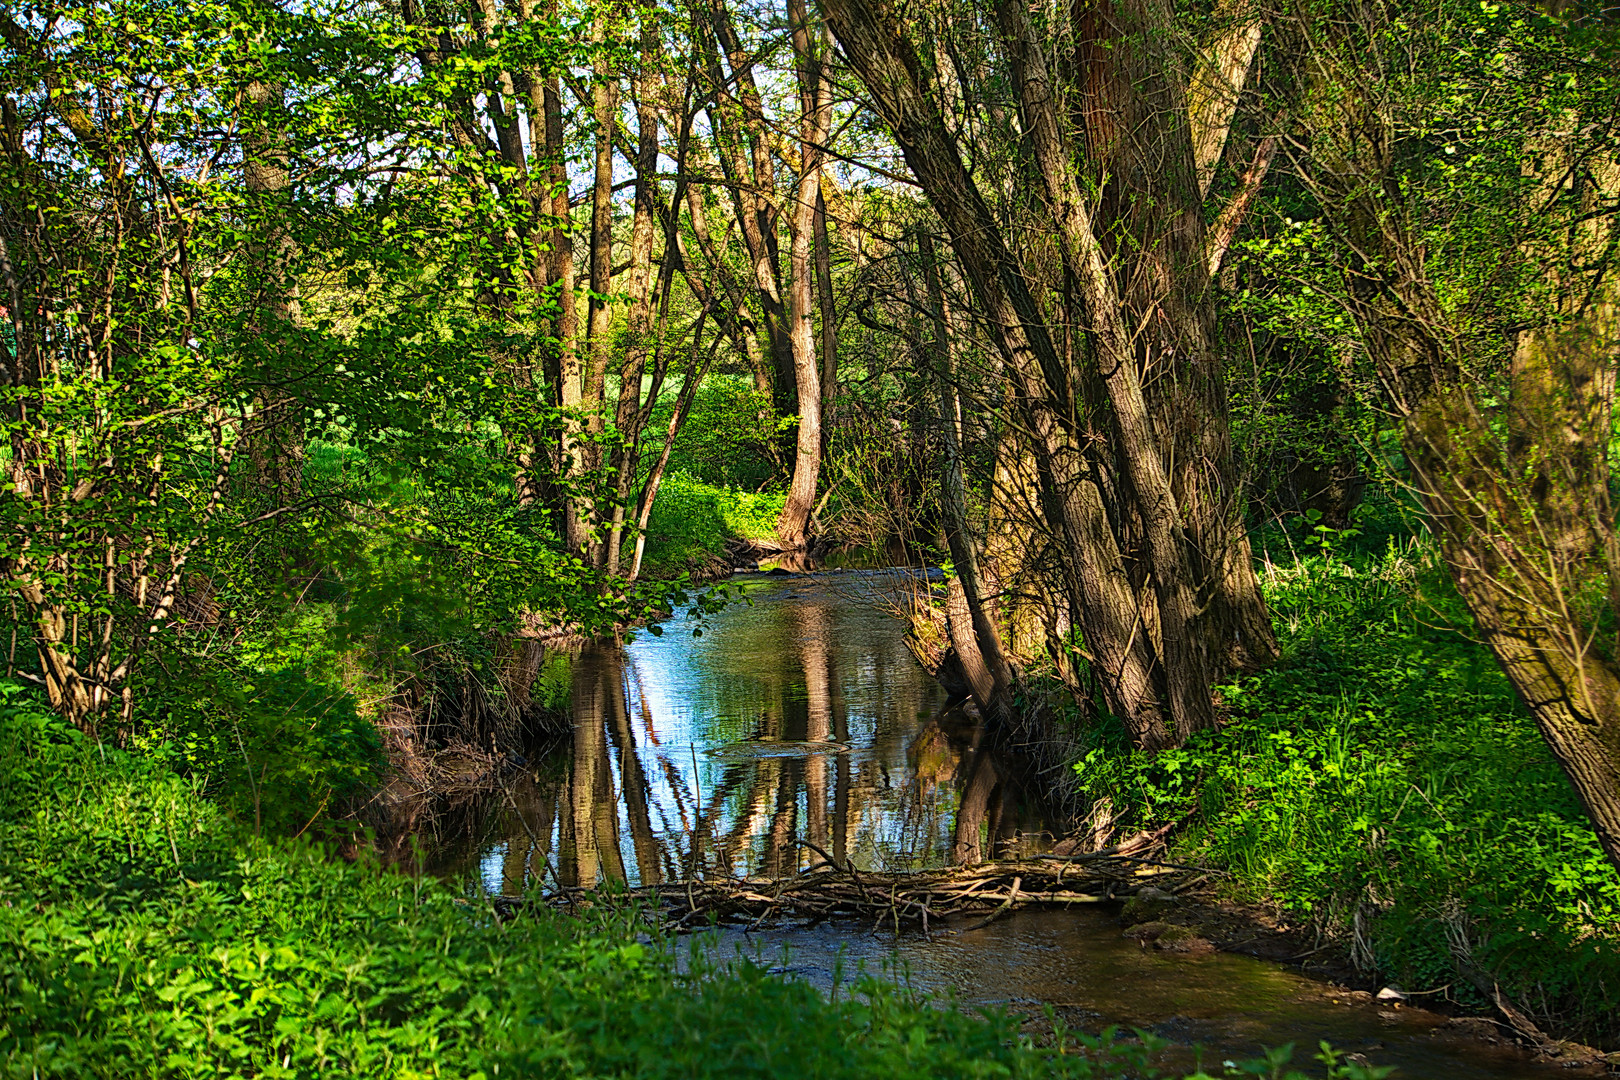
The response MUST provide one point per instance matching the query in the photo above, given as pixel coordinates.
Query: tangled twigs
(924, 899)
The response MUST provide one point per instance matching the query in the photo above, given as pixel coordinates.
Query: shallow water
(798, 715)
(799, 721)
(1214, 1008)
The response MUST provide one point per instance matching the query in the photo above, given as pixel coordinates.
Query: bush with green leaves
(274, 748)
(692, 520)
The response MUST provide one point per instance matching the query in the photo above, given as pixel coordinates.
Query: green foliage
(142, 934)
(1385, 770)
(275, 749)
(692, 520)
(731, 436)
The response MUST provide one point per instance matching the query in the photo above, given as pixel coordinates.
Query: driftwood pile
(932, 901)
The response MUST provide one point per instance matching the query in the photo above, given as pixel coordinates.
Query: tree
(1478, 247)
(1112, 363)
(121, 423)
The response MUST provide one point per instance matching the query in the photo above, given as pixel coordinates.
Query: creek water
(799, 715)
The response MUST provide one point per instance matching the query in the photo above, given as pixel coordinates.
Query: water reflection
(798, 724)
(803, 720)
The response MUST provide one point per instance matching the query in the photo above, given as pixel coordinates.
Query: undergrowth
(144, 933)
(1384, 781)
(691, 522)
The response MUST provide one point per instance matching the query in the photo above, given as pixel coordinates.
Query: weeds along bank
(145, 933)
(1383, 782)
(692, 520)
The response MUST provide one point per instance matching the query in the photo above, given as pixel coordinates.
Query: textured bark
(1219, 72)
(1140, 148)
(599, 324)
(628, 415)
(275, 437)
(1159, 514)
(1152, 641)
(993, 688)
(824, 302)
(742, 143)
(570, 372)
(815, 106)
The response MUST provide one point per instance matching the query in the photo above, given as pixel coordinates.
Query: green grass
(691, 522)
(144, 934)
(1384, 774)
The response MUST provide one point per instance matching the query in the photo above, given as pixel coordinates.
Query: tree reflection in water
(799, 718)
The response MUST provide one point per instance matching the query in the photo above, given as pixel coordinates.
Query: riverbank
(1382, 789)
(145, 933)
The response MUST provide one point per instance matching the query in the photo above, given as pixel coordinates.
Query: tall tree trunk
(829, 316)
(739, 125)
(993, 690)
(815, 103)
(1152, 648)
(599, 328)
(1151, 145)
(628, 415)
(275, 437)
(570, 375)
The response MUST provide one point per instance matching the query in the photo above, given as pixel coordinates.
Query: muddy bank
(1198, 920)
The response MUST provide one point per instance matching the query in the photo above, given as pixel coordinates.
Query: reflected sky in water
(803, 717)
(798, 716)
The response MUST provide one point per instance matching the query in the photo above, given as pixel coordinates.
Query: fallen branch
(922, 899)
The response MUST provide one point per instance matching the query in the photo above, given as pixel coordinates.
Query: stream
(800, 715)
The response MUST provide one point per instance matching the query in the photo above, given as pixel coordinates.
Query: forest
(476, 469)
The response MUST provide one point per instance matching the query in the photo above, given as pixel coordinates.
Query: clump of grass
(1384, 780)
(691, 522)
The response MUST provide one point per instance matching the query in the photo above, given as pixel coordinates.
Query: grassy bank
(145, 933)
(1384, 781)
(692, 520)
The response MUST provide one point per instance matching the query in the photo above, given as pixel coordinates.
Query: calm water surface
(801, 716)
